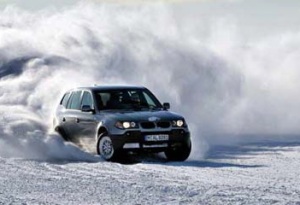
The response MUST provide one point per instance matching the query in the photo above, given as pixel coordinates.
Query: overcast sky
(254, 18)
(37, 4)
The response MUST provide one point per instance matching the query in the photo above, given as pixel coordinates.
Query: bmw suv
(111, 120)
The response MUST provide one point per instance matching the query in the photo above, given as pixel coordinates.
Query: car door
(87, 122)
(71, 115)
(59, 120)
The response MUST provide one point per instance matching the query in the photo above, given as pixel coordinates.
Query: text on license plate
(156, 137)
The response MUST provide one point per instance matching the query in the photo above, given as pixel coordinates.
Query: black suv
(112, 120)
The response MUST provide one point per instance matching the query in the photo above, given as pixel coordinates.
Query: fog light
(131, 146)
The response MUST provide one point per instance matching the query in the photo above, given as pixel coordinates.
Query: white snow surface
(265, 173)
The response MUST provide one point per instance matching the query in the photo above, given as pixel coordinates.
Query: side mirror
(166, 106)
(87, 108)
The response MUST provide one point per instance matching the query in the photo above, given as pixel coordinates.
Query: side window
(74, 102)
(150, 102)
(87, 99)
(70, 100)
(65, 99)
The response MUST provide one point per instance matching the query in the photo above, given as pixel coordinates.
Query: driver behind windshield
(135, 99)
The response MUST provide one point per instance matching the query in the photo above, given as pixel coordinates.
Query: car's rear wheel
(105, 148)
(179, 153)
(62, 133)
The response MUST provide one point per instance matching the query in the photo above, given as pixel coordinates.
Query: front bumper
(135, 140)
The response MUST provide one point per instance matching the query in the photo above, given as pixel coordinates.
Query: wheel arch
(100, 131)
(61, 132)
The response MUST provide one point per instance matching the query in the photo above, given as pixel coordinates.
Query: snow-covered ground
(258, 173)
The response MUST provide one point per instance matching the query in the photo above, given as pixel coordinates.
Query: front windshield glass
(126, 99)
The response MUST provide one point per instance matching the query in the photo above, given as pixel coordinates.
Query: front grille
(152, 125)
(147, 125)
(163, 124)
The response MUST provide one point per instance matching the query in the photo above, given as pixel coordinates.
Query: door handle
(77, 120)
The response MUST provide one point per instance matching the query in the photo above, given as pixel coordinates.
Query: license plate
(154, 138)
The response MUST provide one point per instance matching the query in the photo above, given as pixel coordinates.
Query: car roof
(108, 87)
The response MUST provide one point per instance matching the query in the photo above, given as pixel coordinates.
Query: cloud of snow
(223, 86)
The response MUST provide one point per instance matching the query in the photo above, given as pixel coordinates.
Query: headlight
(125, 125)
(178, 123)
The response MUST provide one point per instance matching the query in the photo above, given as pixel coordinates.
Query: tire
(180, 153)
(105, 148)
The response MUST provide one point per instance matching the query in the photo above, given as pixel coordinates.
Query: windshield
(126, 99)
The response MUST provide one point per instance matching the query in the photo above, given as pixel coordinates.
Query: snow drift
(223, 86)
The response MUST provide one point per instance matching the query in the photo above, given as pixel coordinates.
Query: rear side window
(65, 99)
(74, 102)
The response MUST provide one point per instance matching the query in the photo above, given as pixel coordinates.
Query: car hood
(160, 115)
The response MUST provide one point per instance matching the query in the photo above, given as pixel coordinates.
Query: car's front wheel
(105, 148)
(179, 153)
